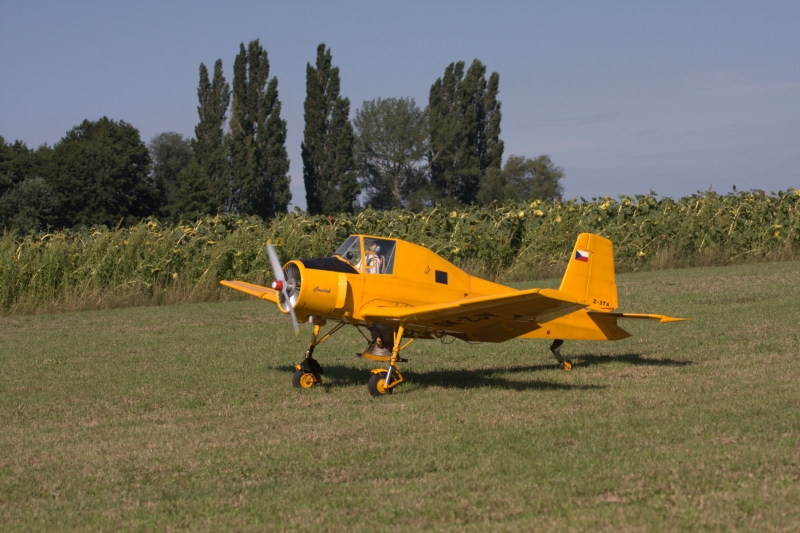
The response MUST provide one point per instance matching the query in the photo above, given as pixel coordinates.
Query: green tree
(26, 205)
(20, 162)
(193, 196)
(523, 179)
(391, 143)
(10, 173)
(101, 175)
(464, 123)
(6, 154)
(489, 144)
(257, 138)
(170, 153)
(208, 145)
(26, 201)
(15, 160)
(328, 141)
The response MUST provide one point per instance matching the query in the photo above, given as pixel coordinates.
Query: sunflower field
(153, 262)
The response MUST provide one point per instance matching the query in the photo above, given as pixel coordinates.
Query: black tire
(372, 386)
(296, 379)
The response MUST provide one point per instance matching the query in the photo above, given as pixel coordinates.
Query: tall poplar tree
(257, 138)
(194, 197)
(464, 124)
(490, 145)
(208, 145)
(328, 141)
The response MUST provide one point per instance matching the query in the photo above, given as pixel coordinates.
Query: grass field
(184, 418)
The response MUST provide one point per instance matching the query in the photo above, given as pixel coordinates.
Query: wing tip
(667, 319)
(262, 293)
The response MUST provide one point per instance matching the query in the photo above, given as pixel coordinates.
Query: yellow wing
(493, 318)
(265, 293)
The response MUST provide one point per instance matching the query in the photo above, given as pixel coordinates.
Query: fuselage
(404, 275)
(395, 284)
(396, 273)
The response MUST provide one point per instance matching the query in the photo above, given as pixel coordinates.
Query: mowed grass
(184, 418)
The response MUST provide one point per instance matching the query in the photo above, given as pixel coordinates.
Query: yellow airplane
(400, 291)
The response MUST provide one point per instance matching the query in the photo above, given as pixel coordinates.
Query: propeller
(281, 285)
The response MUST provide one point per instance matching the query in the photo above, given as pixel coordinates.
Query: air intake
(291, 274)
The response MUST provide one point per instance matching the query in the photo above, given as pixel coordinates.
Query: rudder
(590, 273)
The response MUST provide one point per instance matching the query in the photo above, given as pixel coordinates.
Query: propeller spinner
(282, 286)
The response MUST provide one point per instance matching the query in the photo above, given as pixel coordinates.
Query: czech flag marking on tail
(580, 255)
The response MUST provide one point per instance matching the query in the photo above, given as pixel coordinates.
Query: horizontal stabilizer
(661, 318)
(265, 293)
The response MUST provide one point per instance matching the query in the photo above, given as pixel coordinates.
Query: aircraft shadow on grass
(586, 360)
(344, 376)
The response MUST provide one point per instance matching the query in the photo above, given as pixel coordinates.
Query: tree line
(392, 154)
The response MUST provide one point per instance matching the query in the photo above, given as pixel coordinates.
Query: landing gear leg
(555, 348)
(383, 381)
(309, 372)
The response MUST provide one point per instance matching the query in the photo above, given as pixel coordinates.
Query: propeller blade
(277, 271)
(295, 325)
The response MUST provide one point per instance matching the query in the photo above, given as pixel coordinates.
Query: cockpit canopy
(370, 255)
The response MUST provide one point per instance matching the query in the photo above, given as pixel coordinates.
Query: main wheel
(377, 385)
(301, 379)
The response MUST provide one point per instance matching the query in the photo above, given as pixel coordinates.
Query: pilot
(374, 261)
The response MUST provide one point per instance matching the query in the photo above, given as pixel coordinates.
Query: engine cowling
(313, 292)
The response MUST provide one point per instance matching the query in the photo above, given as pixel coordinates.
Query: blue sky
(628, 97)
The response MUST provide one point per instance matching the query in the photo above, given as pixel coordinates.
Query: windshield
(350, 251)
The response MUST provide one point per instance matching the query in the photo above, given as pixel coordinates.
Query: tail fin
(590, 273)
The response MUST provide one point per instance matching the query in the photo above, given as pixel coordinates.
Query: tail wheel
(567, 365)
(377, 385)
(303, 380)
